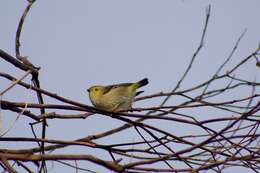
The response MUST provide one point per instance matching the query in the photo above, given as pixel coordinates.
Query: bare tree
(235, 144)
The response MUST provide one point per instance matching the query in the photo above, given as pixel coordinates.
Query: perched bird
(117, 97)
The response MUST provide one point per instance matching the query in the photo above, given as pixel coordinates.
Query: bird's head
(95, 91)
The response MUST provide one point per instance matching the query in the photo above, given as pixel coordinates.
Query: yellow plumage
(115, 97)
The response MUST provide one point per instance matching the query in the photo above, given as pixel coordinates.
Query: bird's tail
(141, 83)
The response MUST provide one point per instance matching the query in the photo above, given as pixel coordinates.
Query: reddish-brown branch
(25, 157)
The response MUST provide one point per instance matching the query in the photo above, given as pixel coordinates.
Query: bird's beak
(88, 90)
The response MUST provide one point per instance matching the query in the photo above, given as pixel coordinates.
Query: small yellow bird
(117, 97)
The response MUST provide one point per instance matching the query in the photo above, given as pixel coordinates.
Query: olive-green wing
(108, 88)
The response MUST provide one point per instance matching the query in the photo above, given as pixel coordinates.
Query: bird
(117, 97)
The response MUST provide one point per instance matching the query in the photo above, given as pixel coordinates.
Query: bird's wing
(108, 88)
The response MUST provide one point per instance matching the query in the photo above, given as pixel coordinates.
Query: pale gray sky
(81, 43)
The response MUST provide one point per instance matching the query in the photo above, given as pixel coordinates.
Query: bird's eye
(96, 89)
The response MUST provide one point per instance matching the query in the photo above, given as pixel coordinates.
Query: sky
(82, 43)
